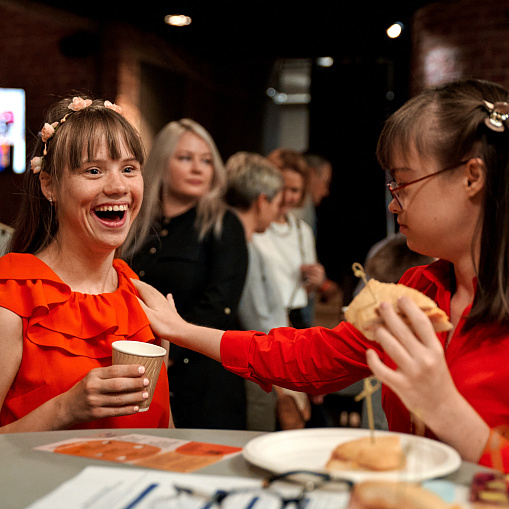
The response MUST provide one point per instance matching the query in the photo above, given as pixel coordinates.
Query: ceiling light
(177, 20)
(325, 61)
(395, 30)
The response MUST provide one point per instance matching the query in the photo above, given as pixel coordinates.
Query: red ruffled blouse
(66, 334)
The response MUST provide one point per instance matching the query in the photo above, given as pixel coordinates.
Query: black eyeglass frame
(306, 486)
(393, 187)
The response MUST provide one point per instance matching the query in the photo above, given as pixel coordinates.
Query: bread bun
(363, 310)
(395, 495)
(382, 454)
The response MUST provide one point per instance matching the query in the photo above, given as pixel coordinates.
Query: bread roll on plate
(395, 495)
(383, 454)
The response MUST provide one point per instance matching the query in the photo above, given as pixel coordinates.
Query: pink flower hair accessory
(78, 104)
(112, 106)
(49, 130)
(36, 164)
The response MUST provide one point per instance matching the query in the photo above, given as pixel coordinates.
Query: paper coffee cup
(144, 354)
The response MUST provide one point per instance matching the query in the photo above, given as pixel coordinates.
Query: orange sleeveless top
(66, 334)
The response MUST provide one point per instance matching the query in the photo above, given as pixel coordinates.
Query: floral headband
(49, 130)
(498, 113)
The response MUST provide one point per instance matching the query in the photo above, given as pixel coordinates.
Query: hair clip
(498, 114)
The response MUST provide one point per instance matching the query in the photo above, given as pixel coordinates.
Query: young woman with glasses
(448, 152)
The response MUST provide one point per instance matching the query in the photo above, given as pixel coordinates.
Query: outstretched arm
(423, 382)
(315, 360)
(169, 325)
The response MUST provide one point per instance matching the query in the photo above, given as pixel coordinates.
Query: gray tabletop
(26, 474)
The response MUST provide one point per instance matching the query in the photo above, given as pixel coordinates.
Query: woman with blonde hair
(188, 244)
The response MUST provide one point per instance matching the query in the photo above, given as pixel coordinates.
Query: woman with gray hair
(188, 244)
(255, 192)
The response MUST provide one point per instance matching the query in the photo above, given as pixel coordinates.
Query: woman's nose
(197, 164)
(394, 206)
(115, 183)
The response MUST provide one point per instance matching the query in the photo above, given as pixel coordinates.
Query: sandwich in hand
(363, 310)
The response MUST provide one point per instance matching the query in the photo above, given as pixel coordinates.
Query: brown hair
(289, 159)
(80, 134)
(448, 122)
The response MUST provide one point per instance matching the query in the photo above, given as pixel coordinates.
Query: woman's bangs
(400, 140)
(85, 139)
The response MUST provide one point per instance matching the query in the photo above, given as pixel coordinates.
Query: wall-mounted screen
(12, 130)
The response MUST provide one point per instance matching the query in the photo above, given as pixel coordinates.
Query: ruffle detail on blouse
(80, 324)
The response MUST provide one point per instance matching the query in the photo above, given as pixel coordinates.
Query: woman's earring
(50, 199)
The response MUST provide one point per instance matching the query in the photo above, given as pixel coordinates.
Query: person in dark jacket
(188, 244)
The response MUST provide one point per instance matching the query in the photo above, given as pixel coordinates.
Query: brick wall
(460, 39)
(50, 54)
(32, 58)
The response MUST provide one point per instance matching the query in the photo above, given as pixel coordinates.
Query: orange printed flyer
(162, 453)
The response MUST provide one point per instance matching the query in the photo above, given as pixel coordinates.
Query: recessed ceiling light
(395, 30)
(177, 20)
(325, 61)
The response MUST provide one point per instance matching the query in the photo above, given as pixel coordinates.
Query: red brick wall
(31, 58)
(50, 54)
(460, 39)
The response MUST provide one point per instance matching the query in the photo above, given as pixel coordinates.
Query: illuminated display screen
(12, 130)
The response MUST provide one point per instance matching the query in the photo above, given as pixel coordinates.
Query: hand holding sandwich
(422, 379)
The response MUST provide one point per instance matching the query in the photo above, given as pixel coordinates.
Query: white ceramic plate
(310, 449)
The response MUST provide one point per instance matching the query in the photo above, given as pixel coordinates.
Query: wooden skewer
(369, 389)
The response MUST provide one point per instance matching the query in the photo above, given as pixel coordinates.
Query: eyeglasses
(295, 497)
(394, 188)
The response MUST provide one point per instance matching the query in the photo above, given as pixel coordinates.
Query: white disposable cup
(144, 354)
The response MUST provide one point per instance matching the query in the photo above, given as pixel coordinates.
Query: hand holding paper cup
(145, 354)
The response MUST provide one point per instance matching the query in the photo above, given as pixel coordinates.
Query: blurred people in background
(255, 193)
(318, 187)
(288, 245)
(188, 244)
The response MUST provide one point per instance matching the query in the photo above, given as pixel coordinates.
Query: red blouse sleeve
(315, 360)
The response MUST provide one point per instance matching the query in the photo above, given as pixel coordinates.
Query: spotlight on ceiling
(395, 30)
(177, 20)
(325, 61)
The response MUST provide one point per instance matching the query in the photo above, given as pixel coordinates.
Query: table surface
(26, 474)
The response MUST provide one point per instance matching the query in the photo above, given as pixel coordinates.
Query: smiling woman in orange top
(64, 296)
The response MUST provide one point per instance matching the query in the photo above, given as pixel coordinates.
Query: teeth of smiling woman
(111, 208)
